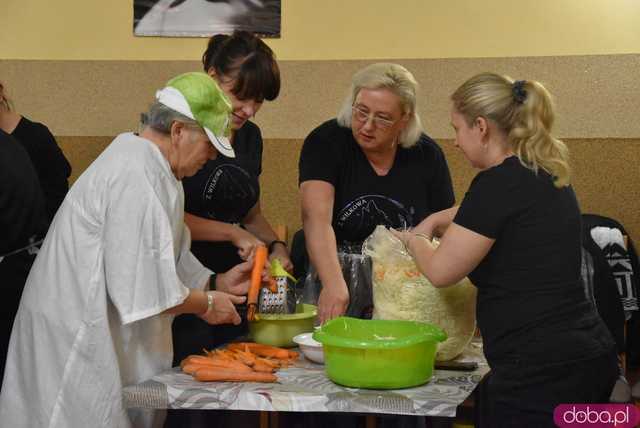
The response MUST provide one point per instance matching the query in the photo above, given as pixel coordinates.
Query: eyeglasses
(362, 116)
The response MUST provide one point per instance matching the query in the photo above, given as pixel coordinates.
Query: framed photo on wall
(203, 18)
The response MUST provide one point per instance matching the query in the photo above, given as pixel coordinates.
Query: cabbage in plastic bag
(356, 271)
(401, 292)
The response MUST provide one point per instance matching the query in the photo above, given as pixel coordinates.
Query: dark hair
(248, 61)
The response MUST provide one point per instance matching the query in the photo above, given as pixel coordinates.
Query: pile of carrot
(239, 362)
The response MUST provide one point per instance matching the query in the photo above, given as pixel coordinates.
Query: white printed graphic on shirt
(360, 216)
(229, 193)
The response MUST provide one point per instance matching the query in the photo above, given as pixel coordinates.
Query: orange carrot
(195, 358)
(260, 259)
(246, 357)
(273, 285)
(262, 350)
(215, 362)
(260, 366)
(220, 375)
(225, 354)
(191, 368)
(271, 363)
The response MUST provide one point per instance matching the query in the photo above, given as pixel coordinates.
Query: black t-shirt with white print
(225, 189)
(417, 185)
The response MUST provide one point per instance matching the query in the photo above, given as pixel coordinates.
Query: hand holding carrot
(236, 280)
(245, 242)
(223, 310)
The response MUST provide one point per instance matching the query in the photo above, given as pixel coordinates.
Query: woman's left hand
(280, 252)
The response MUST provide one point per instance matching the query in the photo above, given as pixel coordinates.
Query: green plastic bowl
(280, 329)
(379, 354)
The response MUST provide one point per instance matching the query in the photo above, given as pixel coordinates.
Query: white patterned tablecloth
(305, 387)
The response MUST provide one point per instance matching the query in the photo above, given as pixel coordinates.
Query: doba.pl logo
(596, 415)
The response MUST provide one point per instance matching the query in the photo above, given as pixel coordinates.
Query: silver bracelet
(424, 236)
(209, 302)
(419, 235)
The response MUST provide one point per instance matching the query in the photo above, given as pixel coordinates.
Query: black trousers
(13, 275)
(525, 395)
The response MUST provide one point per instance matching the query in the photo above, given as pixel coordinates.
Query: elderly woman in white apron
(115, 266)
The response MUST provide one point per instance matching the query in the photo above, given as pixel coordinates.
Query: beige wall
(338, 29)
(597, 96)
(76, 66)
(605, 176)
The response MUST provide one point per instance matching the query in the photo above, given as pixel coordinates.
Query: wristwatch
(273, 243)
(212, 281)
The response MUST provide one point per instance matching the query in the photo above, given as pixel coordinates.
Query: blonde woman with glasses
(372, 165)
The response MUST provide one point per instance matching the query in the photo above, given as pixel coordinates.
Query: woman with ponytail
(516, 235)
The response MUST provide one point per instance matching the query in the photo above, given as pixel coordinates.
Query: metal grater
(283, 301)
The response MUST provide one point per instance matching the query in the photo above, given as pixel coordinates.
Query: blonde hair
(398, 80)
(524, 110)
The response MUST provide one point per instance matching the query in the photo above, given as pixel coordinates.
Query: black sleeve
(487, 205)
(249, 146)
(441, 191)
(319, 158)
(51, 165)
(56, 186)
(21, 203)
(259, 149)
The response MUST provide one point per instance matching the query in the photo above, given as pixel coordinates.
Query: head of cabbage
(401, 292)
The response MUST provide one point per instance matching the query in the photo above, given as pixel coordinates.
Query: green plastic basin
(280, 329)
(379, 354)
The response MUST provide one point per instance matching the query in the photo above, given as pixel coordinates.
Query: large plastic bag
(401, 292)
(356, 270)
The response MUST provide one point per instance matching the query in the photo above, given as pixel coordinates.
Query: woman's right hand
(223, 310)
(333, 302)
(245, 241)
(437, 223)
(426, 226)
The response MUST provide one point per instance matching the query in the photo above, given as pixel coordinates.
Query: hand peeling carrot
(259, 261)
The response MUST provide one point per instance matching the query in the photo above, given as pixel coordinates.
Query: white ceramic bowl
(310, 348)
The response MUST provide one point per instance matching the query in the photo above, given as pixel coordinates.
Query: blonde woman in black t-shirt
(516, 235)
(373, 165)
